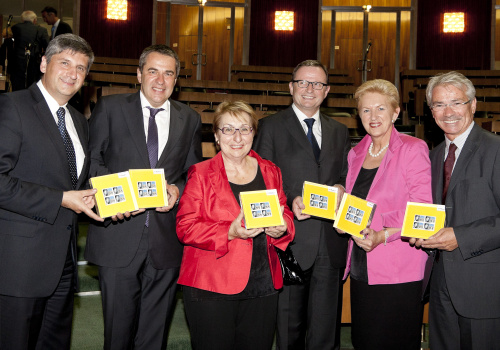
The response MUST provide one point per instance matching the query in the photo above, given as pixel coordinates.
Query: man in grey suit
(44, 160)
(139, 255)
(309, 146)
(25, 69)
(465, 282)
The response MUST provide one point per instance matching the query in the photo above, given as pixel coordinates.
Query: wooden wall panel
(184, 33)
(349, 38)
(238, 35)
(161, 22)
(382, 35)
(497, 38)
(326, 35)
(404, 58)
(392, 3)
(216, 43)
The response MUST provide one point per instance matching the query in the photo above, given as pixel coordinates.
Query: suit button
(69, 227)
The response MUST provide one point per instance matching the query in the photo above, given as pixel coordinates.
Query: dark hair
(50, 9)
(70, 42)
(161, 49)
(310, 63)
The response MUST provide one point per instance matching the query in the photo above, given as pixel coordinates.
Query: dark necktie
(68, 145)
(448, 168)
(152, 142)
(311, 138)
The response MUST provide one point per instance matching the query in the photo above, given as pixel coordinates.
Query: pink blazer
(403, 176)
(206, 210)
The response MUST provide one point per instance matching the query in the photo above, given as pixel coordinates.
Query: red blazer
(207, 208)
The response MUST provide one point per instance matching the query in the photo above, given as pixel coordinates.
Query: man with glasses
(464, 301)
(309, 146)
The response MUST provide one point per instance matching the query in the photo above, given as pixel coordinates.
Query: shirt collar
(53, 105)
(459, 141)
(145, 103)
(302, 116)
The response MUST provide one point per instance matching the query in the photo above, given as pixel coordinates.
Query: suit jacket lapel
(220, 185)
(83, 141)
(437, 164)
(132, 112)
(176, 125)
(394, 143)
(470, 146)
(294, 127)
(43, 113)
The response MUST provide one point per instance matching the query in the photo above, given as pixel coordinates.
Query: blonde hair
(235, 109)
(379, 86)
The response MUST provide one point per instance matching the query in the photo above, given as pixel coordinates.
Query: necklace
(379, 152)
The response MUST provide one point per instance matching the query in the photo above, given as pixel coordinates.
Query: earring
(393, 121)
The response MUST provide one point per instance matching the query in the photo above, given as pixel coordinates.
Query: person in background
(231, 275)
(49, 15)
(30, 42)
(389, 169)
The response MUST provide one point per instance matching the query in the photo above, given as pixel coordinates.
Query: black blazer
(282, 140)
(63, 28)
(118, 143)
(473, 210)
(34, 229)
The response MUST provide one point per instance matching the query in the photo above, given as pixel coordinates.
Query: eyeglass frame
(452, 105)
(309, 83)
(235, 129)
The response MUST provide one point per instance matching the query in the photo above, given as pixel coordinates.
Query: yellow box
(422, 220)
(261, 208)
(354, 215)
(319, 200)
(114, 194)
(149, 187)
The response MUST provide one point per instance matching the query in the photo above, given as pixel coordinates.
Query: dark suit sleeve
(482, 235)
(195, 153)
(345, 166)
(99, 139)
(43, 38)
(29, 199)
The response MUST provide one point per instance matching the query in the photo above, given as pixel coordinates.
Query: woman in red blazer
(230, 274)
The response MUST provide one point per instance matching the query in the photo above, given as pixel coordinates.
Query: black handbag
(290, 268)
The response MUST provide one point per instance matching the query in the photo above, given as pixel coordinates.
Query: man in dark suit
(464, 302)
(49, 15)
(25, 69)
(139, 255)
(309, 314)
(44, 160)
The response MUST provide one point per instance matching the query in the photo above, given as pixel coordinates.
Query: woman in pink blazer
(231, 275)
(389, 169)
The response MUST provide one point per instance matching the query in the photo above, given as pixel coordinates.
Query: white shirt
(70, 126)
(53, 31)
(459, 141)
(316, 126)
(162, 122)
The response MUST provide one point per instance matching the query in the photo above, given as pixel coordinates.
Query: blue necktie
(311, 138)
(53, 32)
(68, 145)
(152, 143)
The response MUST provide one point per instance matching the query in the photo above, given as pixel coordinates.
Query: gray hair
(310, 63)
(453, 78)
(71, 42)
(163, 50)
(28, 16)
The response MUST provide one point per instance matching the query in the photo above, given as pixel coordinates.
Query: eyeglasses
(305, 84)
(231, 130)
(438, 107)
